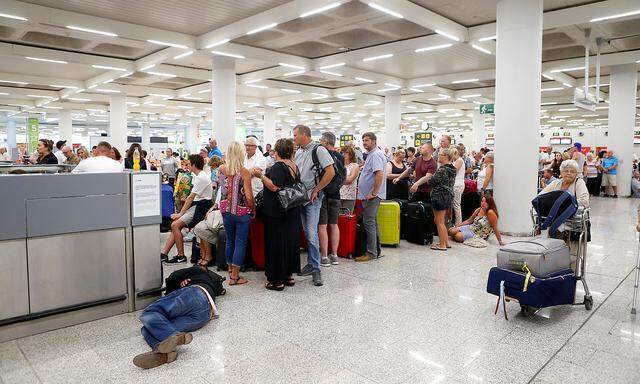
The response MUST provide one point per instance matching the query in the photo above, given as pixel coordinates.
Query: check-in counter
(76, 247)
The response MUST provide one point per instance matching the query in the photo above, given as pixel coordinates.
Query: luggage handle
(347, 211)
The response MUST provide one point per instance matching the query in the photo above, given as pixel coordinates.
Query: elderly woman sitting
(570, 182)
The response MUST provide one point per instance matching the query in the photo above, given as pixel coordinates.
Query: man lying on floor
(188, 305)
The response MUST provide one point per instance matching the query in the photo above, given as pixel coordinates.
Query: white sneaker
(325, 262)
(333, 259)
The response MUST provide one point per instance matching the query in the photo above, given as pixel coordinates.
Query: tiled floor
(414, 316)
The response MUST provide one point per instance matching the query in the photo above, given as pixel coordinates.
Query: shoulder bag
(293, 195)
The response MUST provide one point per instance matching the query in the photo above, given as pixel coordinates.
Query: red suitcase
(347, 225)
(256, 239)
(358, 208)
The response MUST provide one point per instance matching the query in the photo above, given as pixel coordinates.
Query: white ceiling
(345, 34)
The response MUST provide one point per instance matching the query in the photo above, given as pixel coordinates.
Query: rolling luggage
(220, 251)
(168, 207)
(256, 239)
(556, 289)
(361, 238)
(542, 256)
(195, 250)
(389, 223)
(403, 216)
(347, 226)
(420, 225)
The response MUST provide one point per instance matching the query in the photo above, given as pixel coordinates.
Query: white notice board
(145, 194)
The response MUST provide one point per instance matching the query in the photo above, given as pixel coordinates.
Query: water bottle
(136, 160)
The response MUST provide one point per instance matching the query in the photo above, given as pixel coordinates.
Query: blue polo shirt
(376, 161)
(215, 152)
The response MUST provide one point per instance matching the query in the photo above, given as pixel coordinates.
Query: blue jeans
(183, 310)
(310, 217)
(237, 230)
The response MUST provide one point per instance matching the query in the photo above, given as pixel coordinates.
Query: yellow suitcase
(389, 223)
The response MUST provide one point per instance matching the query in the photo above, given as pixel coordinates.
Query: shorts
(438, 205)
(205, 233)
(187, 217)
(466, 232)
(609, 180)
(329, 211)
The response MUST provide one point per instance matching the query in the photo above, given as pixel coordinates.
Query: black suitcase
(195, 250)
(220, 251)
(403, 216)
(420, 225)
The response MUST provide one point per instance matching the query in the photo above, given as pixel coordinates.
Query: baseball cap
(578, 146)
(61, 143)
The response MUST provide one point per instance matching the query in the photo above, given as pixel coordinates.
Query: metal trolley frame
(578, 224)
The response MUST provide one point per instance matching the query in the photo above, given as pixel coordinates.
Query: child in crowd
(214, 164)
(184, 183)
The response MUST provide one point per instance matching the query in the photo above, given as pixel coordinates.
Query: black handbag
(294, 195)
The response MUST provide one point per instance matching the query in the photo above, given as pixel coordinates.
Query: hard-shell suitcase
(556, 289)
(389, 223)
(543, 256)
(168, 207)
(420, 223)
(347, 227)
(403, 216)
(256, 239)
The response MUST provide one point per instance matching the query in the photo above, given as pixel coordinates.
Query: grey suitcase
(543, 256)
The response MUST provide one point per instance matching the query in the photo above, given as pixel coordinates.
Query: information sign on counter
(422, 138)
(344, 139)
(145, 195)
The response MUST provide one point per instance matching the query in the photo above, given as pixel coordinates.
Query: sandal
(438, 248)
(203, 263)
(238, 280)
(273, 287)
(290, 282)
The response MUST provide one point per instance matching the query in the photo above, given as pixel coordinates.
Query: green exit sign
(486, 109)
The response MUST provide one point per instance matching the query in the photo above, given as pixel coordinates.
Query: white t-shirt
(202, 186)
(61, 157)
(459, 181)
(257, 161)
(543, 157)
(98, 164)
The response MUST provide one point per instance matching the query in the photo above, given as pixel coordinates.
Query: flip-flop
(437, 248)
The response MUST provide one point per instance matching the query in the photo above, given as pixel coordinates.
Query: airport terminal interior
(319, 191)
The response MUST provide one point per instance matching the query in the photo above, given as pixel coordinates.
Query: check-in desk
(76, 247)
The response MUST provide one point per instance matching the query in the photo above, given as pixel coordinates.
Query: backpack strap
(553, 211)
(316, 163)
(565, 215)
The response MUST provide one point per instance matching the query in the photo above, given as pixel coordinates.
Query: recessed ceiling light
(433, 47)
(379, 57)
(107, 90)
(204, 91)
(464, 81)
(549, 103)
(263, 28)
(293, 73)
(567, 69)
(567, 109)
(547, 77)
(447, 35)
(252, 81)
(41, 96)
(386, 10)
(567, 85)
(46, 60)
(193, 97)
(472, 95)
(424, 85)
(388, 89)
(13, 82)
(109, 67)
(110, 34)
(224, 41)
(228, 54)
(160, 74)
(481, 49)
(62, 86)
(551, 89)
(168, 44)
(364, 79)
(180, 56)
(257, 86)
(164, 96)
(289, 90)
(416, 90)
(78, 99)
(147, 67)
(291, 66)
(321, 9)
(617, 16)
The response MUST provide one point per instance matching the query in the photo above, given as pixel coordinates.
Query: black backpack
(333, 188)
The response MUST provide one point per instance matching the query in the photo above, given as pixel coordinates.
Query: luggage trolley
(578, 224)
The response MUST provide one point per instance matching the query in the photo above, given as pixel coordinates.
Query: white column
(224, 100)
(11, 134)
(622, 110)
(392, 118)
(65, 126)
(518, 72)
(146, 136)
(479, 131)
(118, 122)
(269, 130)
(191, 135)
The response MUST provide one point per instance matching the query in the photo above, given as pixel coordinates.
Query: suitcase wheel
(588, 302)
(527, 310)
(223, 292)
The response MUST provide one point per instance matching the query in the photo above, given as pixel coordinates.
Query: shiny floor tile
(413, 316)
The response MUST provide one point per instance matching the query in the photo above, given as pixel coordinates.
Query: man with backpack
(330, 209)
(188, 305)
(316, 172)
